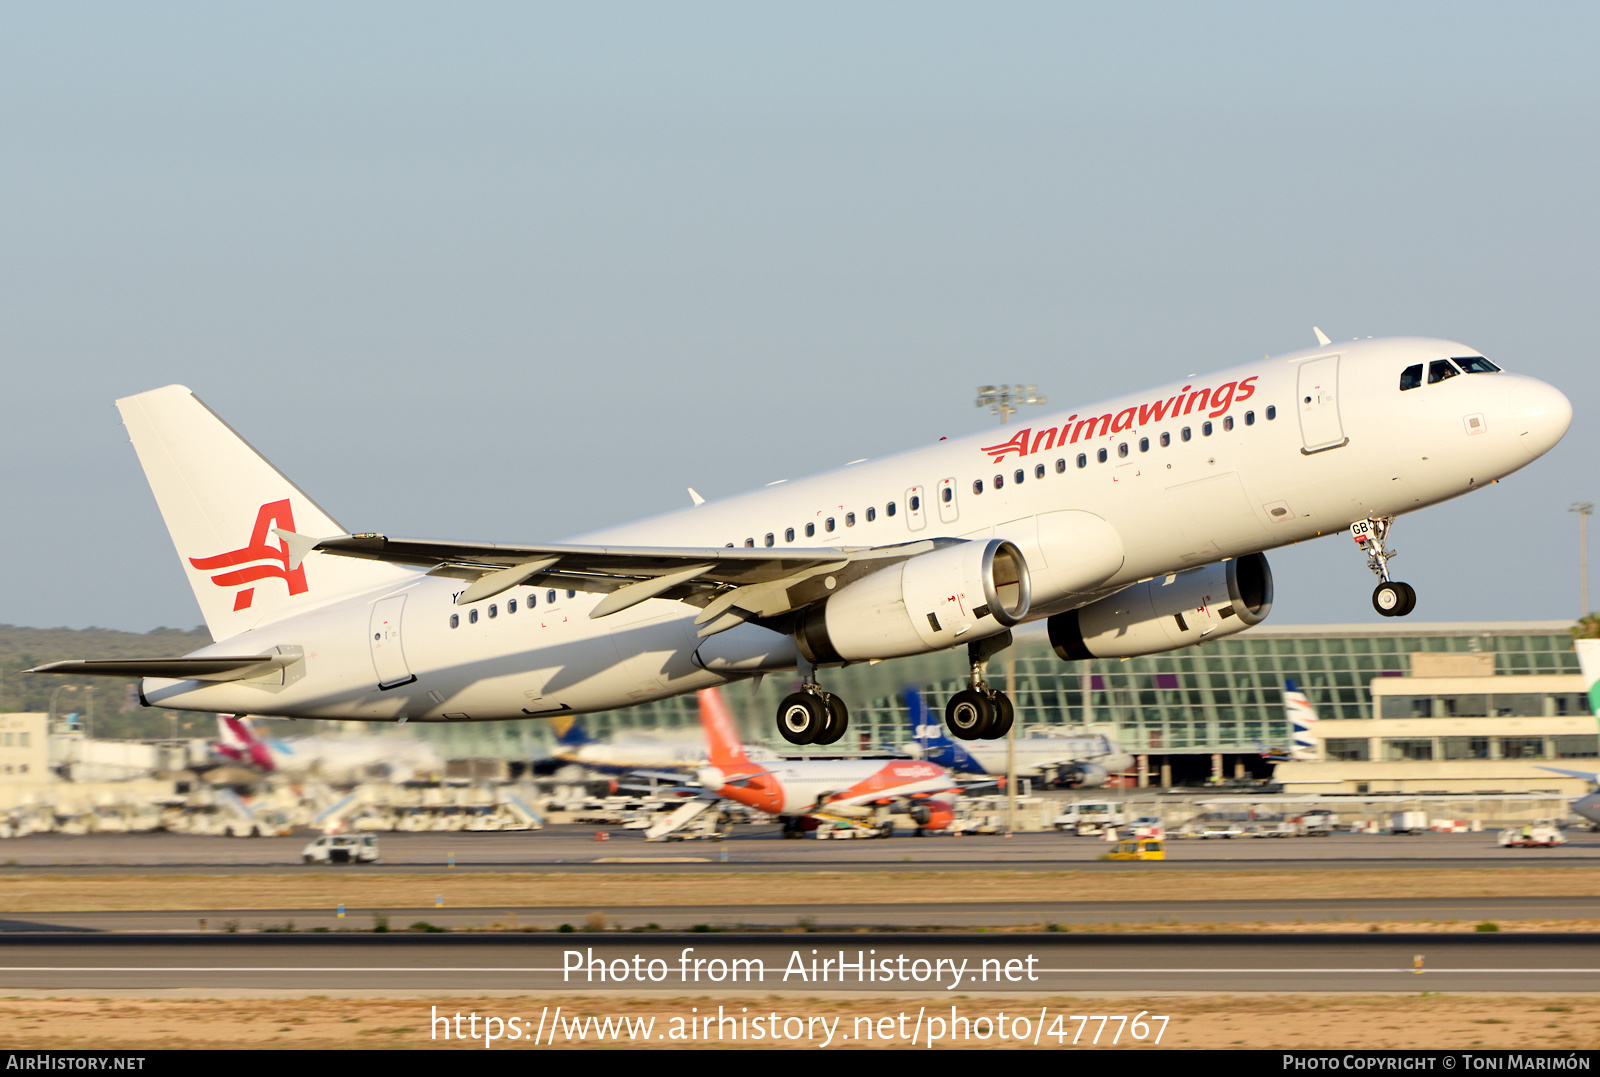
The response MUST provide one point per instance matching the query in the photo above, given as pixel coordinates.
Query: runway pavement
(735, 964)
(903, 915)
(758, 848)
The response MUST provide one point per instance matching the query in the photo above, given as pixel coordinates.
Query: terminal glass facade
(1221, 697)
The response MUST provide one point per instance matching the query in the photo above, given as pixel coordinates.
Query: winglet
(1322, 338)
(695, 496)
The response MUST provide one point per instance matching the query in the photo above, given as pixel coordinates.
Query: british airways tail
(928, 732)
(1302, 717)
(223, 504)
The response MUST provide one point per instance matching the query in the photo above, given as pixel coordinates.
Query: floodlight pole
(1003, 400)
(1584, 509)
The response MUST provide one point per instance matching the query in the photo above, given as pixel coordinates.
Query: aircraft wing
(730, 584)
(1587, 775)
(208, 668)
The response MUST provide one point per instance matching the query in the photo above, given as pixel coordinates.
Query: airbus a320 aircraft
(1134, 525)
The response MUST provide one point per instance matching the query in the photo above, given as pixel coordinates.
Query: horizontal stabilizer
(218, 668)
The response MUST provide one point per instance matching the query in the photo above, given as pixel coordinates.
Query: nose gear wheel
(1391, 598)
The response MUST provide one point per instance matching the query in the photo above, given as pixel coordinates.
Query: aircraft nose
(1542, 413)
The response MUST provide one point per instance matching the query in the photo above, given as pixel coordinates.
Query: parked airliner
(858, 794)
(1133, 525)
(1083, 761)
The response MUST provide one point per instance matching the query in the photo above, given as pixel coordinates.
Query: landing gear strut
(1390, 598)
(811, 715)
(980, 712)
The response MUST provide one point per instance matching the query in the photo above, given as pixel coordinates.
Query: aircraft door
(388, 659)
(1318, 404)
(947, 501)
(916, 510)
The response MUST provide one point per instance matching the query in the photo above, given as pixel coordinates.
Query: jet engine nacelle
(1084, 775)
(1168, 612)
(954, 594)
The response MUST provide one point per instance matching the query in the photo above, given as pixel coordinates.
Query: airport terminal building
(1411, 703)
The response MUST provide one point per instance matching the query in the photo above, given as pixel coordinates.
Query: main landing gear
(980, 712)
(1389, 598)
(811, 715)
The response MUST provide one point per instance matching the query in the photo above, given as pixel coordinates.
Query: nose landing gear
(980, 712)
(811, 715)
(1390, 598)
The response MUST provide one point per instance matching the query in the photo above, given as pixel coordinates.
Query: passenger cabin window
(977, 486)
(550, 598)
(472, 617)
(572, 594)
(916, 503)
(1144, 444)
(947, 493)
(1205, 429)
(1184, 434)
(1038, 471)
(1061, 465)
(768, 539)
(1166, 439)
(1272, 412)
(1411, 377)
(872, 513)
(455, 620)
(1101, 456)
(1477, 364)
(1441, 369)
(1122, 450)
(749, 543)
(511, 607)
(1083, 460)
(788, 535)
(999, 481)
(849, 519)
(1019, 476)
(827, 525)
(811, 530)
(1227, 422)
(1249, 418)
(494, 611)
(533, 599)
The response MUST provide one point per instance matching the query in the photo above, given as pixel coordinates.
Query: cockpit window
(1411, 377)
(1440, 369)
(1477, 364)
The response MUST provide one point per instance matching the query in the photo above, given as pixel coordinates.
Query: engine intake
(1169, 612)
(957, 593)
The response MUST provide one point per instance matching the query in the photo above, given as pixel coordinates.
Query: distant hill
(110, 703)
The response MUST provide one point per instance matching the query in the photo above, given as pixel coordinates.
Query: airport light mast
(1584, 509)
(1004, 400)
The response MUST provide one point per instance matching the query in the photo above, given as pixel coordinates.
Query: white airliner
(1135, 525)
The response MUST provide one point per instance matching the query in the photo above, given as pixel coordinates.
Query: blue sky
(516, 271)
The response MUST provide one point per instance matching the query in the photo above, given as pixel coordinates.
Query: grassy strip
(322, 889)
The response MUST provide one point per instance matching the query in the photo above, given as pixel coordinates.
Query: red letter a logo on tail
(275, 514)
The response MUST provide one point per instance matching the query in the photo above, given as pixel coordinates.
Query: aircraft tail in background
(231, 515)
(931, 741)
(723, 746)
(237, 740)
(1589, 662)
(1302, 715)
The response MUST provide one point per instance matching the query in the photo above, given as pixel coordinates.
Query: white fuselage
(1350, 447)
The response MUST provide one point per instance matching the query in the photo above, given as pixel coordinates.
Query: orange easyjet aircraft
(860, 793)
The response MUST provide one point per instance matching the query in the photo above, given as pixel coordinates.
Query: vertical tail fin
(570, 732)
(722, 736)
(1589, 661)
(222, 501)
(1302, 717)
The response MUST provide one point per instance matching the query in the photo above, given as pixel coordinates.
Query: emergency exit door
(388, 657)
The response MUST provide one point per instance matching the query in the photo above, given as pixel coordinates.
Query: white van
(1091, 816)
(341, 849)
